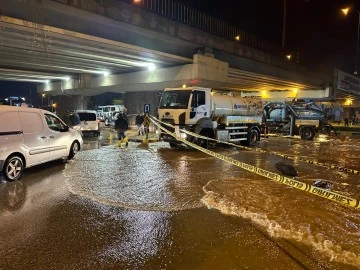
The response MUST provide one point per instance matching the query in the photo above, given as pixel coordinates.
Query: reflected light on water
(132, 178)
(145, 233)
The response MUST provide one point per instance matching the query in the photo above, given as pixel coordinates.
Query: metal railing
(182, 13)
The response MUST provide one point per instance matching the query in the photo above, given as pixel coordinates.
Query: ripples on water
(159, 178)
(331, 229)
(133, 178)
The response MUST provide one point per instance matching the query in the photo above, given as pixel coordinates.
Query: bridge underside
(72, 63)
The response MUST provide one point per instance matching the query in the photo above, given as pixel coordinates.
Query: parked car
(89, 122)
(30, 137)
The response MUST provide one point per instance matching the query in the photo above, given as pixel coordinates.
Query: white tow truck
(211, 114)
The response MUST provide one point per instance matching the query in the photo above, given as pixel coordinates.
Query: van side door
(35, 137)
(58, 138)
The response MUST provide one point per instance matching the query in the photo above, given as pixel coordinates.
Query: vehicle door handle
(43, 137)
(52, 137)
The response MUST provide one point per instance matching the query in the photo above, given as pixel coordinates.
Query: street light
(346, 11)
(42, 99)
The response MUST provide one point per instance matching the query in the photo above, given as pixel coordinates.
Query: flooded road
(151, 207)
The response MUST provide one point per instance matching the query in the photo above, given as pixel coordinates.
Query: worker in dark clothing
(121, 125)
(146, 125)
(67, 119)
(139, 121)
(75, 118)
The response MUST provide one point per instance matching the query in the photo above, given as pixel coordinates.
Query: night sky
(316, 29)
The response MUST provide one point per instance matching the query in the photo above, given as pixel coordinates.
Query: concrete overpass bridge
(88, 47)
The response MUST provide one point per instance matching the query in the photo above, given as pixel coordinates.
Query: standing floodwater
(156, 178)
(332, 230)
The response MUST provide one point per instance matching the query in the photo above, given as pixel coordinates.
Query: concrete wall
(134, 102)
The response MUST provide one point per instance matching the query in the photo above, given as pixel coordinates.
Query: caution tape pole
(291, 157)
(327, 194)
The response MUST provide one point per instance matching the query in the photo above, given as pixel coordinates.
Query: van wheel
(73, 150)
(13, 168)
(307, 133)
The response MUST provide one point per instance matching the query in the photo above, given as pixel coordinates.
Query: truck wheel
(252, 137)
(307, 133)
(173, 145)
(73, 150)
(13, 168)
(204, 143)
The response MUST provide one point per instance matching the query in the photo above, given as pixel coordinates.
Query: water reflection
(133, 178)
(14, 196)
(145, 234)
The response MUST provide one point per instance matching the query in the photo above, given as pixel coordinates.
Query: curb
(142, 140)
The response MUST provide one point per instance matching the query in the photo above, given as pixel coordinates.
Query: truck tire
(173, 145)
(307, 133)
(205, 143)
(13, 168)
(252, 137)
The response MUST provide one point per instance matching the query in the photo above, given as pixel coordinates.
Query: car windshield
(84, 116)
(175, 99)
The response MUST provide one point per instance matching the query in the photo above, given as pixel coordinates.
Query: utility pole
(30, 96)
(357, 45)
(284, 27)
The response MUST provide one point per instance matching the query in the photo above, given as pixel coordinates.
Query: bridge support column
(134, 101)
(64, 103)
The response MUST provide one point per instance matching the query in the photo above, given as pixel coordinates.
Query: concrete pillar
(70, 103)
(134, 103)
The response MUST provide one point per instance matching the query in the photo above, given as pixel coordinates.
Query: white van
(100, 114)
(30, 137)
(89, 122)
(110, 110)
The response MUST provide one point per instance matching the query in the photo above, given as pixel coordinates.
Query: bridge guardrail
(198, 19)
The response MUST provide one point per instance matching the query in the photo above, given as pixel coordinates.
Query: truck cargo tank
(230, 105)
